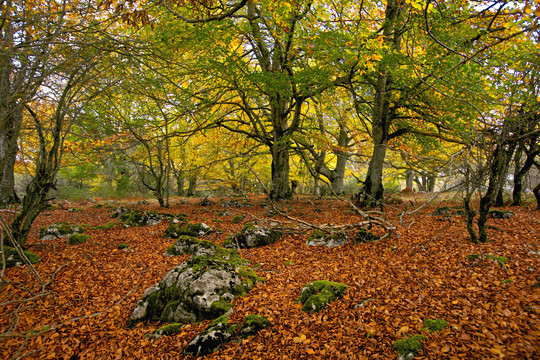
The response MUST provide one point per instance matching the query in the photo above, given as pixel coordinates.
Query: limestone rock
(201, 288)
(60, 230)
(253, 236)
(175, 230)
(318, 237)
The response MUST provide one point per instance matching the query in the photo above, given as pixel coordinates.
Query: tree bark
(192, 185)
(280, 188)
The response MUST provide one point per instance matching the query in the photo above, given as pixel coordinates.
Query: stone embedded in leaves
(220, 332)
(192, 246)
(253, 236)
(317, 294)
(501, 214)
(60, 230)
(175, 230)
(13, 258)
(317, 237)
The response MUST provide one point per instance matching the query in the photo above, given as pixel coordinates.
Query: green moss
(363, 236)
(76, 239)
(177, 230)
(122, 246)
(220, 307)
(189, 245)
(169, 329)
(410, 345)
(434, 325)
(316, 234)
(107, 226)
(223, 320)
(317, 294)
(13, 259)
(252, 324)
(501, 214)
(287, 263)
(237, 219)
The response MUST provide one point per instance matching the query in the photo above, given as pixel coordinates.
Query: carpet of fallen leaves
(420, 272)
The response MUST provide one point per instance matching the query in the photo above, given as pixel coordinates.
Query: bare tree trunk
(280, 172)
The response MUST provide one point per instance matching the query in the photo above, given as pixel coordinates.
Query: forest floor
(420, 272)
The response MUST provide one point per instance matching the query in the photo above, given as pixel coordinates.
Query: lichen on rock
(317, 294)
(201, 288)
(175, 230)
(220, 331)
(253, 236)
(192, 246)
(318, 237)
(60, 230)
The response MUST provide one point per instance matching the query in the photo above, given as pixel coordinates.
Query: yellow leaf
(310, 351)
(445, 349)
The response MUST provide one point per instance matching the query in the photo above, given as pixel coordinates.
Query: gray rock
(253, 236)
(198, 289)
(59, 230)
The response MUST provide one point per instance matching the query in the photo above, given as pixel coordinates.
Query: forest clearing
(424, 270)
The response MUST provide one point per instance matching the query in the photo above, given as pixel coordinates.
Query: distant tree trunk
(409, 179)
(192, 185)
(10, 121)
(180, 179)
(536, 192)
(520, 174)
(280, 171)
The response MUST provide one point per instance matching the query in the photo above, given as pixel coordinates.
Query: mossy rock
(501, 214)
(252, 324)
(317, 294)
(174, 231)
(364, 236)
(201, 288)
(60, 230)
(76, 239)
(168, 329)
(411, 345)
(318, 237)
(433, 325)
(122, 246)
(253, 236)
(12, 257)
(210, 340)
(220, 331)
(192, 246)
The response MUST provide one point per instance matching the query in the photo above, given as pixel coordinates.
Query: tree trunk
(536, 192)
(409, 179)
(280, 172)
(8, 150)
(192, 185)
(180, 179)
(519, 175)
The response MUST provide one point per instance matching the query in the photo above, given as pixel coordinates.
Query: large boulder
(253, 236)
(60, 230)
(201, 288)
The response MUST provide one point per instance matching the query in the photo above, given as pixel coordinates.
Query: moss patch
(12, 257)
(433, 325)
(364, 236)
(76, 239)
(410, 345)
(237, 219)
(122, 246)
(195, 230)
(317, 294)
